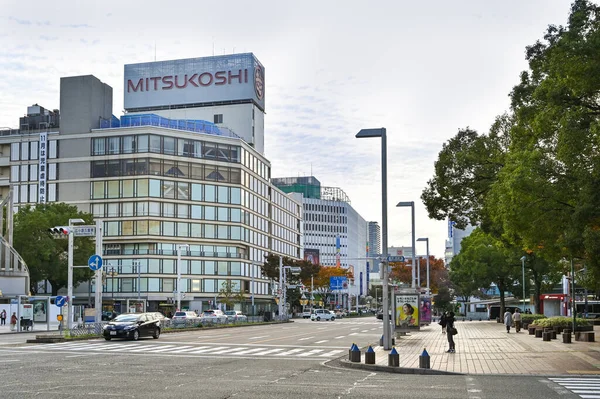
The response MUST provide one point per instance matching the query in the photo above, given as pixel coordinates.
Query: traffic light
(59, 230)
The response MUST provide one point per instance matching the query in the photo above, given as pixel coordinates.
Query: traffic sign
(95, 262)
(84, 231)
(60, 301)
(396, 258)
(59, 317)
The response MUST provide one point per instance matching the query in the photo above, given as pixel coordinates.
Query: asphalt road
(295, 360)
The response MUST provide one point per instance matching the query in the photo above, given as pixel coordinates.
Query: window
(142, 188)
(169, 145)
(127, 188)
(14, 151)
(129, 144)
(154, 143)
(154, 188)
(97, 189)
(142, 143)
(223, 194)
(24, 152)
(113, 145)
(209, 193)
(218, 118)
(33, 154)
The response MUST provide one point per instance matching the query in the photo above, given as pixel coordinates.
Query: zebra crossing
(305, 352)
(585, 387)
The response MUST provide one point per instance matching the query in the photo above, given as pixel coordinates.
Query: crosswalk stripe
(322, 341)
(332, 353)
(310, 353)
(192, 350)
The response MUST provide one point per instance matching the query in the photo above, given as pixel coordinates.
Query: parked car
(185, 319)
(306, 314)
(132, 326)
(164, 320)
(213, 316)
(235, 316)
(322, 314)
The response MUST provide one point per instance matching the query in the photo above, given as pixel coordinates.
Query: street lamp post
(427, 242)
(414, 271)
(381, 132)
(179, 248)
(523, 268)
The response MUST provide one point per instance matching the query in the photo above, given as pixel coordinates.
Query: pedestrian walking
(443, 322)
(517, 319)
(507, 320)
(13, 321)
(450, 331)
(3, 317)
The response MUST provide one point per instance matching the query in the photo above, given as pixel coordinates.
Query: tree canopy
(46, 255)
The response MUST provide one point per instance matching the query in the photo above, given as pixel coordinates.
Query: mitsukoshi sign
(193, 81)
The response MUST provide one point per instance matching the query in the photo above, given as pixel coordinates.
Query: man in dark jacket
(443, 322)
(450, 330)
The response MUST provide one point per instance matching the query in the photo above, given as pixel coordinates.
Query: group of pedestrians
(511, 319)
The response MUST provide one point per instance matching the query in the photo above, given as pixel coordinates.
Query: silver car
(235, 316)
(185, 319)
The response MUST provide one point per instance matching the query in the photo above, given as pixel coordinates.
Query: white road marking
(209, 349)
(309, 353)
(288, 352)
(304, 339)
(341, 336)
(262, 336)
(332, 353)
(322, 341)
(269, 351)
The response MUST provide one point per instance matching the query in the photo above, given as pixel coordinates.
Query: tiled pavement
(484, 347)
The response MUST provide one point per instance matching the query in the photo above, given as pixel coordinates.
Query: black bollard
(370, 356)
(394, 358)
(350, 351)
(424, 360)
(355, 355)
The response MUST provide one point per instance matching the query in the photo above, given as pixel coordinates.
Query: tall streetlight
(381, 132)
(414, 271)
(523, 268)
(427, 242)
(179, 248)
(72, 222)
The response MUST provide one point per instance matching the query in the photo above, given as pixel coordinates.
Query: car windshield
(209, 312)
(230, 313)
(180, 314)
(126, 318)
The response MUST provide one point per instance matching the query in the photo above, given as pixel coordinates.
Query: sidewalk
(484, 347)
(37, 328)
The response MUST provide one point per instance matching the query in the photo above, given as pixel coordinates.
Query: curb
(394, 370)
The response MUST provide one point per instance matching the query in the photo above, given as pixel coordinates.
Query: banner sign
(361, 284)
(407, 311)
(43, 171)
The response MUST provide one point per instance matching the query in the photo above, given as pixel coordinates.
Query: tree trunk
(502, 304)
(55, 287)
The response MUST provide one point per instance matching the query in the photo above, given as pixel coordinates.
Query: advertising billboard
(312, 256)
(194, 81)
(407, 311)
(425, 312)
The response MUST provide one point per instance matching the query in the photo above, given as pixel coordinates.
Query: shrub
(560, 321)
(530, 318)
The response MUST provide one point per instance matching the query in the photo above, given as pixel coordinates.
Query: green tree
(229, 293)
(45, 255)
(442, 300)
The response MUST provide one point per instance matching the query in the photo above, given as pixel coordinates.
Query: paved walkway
(484, 347)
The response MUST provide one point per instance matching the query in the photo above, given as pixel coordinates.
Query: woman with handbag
(451, 331)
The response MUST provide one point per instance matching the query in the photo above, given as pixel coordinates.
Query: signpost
(60, 301)
(396, 258)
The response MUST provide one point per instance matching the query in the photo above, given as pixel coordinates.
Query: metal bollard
(424, 360)
(350, 351)
(355, 355)
(566, 337)
(394, 358)
(370, 356)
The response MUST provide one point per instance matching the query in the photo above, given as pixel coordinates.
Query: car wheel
(156, 333)
(107, 338)
(135, 335)
(318, 318)
(332, 319)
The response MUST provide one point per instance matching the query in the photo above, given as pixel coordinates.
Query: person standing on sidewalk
(507, 320)
(450, 332)
(13, 321)
(3, 317)
(517, 319)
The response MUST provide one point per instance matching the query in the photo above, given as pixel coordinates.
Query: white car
(185, 319)
(322, 314)
(235, 316)
(213, 316)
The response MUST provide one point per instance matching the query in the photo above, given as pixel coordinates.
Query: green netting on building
(309, 186)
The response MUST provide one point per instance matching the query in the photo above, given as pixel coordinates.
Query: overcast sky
(420, 69)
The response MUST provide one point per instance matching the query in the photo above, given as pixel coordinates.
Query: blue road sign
(95, 262)
(60, 301)
(396, 259)
(338, 282)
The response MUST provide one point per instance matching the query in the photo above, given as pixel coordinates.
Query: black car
(132, 326)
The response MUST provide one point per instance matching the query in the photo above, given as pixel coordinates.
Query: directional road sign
(95, 262)
(84, 231)
(60, 301)
(337, 282)
(396, 258)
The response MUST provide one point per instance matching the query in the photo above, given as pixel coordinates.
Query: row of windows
(165, 189)
(28, 151)
(144, 143)
(169, 266)
(173, 229)
(168, 210)
(168, 249)
(168, 285)
(324, 208)
(28, 193)
(325, 228)
(158, 167)
(256, 165)
(30, 172)
(325, 218)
